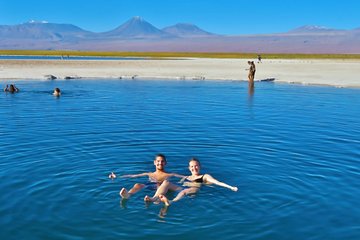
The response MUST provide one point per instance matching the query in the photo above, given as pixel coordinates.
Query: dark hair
(12, 88)
(161, 155)
(195, 160)
(57, 89)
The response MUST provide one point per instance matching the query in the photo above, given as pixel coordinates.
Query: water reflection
(251, 89)
(123, 203)
(163, 212)
(64, 58)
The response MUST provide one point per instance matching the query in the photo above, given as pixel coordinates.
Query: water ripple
(291, 150)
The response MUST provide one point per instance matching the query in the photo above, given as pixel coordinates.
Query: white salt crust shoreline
(337, 73)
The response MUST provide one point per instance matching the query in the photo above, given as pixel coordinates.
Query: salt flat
(339, 73)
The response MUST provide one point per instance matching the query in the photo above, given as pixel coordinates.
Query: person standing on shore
(251, 74)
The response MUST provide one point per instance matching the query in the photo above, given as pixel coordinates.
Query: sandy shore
(339, 73)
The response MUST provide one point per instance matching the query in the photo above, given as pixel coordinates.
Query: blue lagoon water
(293, 151)
(63, 57)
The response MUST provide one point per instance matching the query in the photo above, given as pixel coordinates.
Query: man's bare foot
(124, 193)
(151, 199)
(165, 200)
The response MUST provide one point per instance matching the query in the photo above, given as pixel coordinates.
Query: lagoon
(63, 57)
(292, 150)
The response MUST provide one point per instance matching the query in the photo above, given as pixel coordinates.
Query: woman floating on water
(193, 182)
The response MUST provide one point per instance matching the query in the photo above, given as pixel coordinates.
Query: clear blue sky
(218, 16)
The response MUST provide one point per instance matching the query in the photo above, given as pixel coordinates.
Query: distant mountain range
(139, 35)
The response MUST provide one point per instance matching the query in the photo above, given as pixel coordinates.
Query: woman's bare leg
(180, 195)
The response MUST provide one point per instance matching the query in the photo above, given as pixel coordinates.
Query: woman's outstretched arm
(209, 179)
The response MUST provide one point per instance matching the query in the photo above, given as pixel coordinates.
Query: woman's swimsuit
(196, 183)
(197, 180)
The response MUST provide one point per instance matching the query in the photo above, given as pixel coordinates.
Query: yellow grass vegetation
(177, 54)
